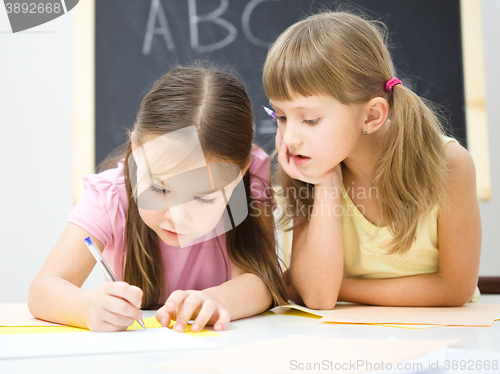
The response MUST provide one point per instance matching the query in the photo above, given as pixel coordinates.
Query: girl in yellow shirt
(383, 205)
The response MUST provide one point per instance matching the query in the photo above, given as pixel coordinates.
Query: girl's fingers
(171, 308)
(278, 140)
(163, 316)
(207, 311)
(122, 290)
(190, 305)
(121, 307)
(119, 321)
(223, 321)
(103, 326)
(283, 156)
(175, 301)
(286, 161)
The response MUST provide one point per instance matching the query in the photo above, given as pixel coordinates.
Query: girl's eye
(159, 191)
(205, 201)
(311, 121)
(281, 118)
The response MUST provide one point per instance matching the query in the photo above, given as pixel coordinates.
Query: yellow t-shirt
(365, 254)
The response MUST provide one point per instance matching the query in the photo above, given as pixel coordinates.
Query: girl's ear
(377, 114)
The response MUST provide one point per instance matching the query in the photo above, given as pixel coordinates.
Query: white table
(260, 327)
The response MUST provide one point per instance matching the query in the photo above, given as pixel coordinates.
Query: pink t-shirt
(101, 211)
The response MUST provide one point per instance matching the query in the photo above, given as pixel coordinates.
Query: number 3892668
(33, 8)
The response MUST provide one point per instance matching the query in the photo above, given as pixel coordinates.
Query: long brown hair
(345, 56)
(218, 105)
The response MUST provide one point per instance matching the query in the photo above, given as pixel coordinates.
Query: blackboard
(137, 41)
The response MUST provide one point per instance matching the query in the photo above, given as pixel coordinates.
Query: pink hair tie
(391, 83)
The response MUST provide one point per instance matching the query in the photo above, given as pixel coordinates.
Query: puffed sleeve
(101, 209)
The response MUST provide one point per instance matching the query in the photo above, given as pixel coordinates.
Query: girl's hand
(114, 306)
(183, 306)
(287, 162)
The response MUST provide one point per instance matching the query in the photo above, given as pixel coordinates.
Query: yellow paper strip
(152, 323)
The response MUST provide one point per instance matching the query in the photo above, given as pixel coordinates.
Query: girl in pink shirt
(184, 218)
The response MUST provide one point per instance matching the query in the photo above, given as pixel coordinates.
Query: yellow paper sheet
(291, 354)
(302, 311)
(473, 314)
(150, 323)
(306, 312)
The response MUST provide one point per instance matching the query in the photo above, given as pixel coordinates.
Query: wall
(35, 156)
(36, 152)
(490, 211)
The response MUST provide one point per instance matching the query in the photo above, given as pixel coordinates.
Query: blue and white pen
(270, 113)
(104, 266)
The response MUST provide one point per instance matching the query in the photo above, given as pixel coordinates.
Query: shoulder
(109, 177)
(260, 173)
(109, 184)
(460, 180)
(459, 162)
(261, 163)
(101, 208)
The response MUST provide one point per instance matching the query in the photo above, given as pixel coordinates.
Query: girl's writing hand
(114, 306)
(286, 160)
(183, 306)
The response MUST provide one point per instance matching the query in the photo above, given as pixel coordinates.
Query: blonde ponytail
(410, 173)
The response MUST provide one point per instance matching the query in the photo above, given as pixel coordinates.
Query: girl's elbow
(35, 298)
(32, 304)
(320, 302)
(461, 296)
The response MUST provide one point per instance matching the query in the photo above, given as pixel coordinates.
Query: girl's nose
(178, 214)
(168, 213)
(291, 135)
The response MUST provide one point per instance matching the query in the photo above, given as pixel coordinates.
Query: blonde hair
(345, 56)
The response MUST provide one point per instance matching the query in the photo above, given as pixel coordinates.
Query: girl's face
(180, 195)
(318, 131)
(187, 212)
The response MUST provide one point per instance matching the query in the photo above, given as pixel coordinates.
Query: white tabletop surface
(262, 327)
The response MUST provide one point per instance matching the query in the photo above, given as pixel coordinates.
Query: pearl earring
(366, 132)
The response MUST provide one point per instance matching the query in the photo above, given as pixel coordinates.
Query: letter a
(156, 12)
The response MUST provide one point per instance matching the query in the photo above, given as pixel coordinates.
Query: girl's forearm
(57, 300)
(418, 290)
(243, 296)
(316, 267)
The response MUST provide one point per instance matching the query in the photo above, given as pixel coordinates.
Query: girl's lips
(173, 234)
(300, 159)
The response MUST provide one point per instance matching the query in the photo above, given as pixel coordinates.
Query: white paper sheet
(304, 354)
(90, 343)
